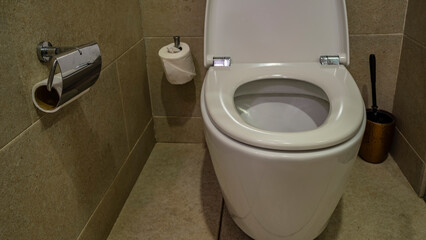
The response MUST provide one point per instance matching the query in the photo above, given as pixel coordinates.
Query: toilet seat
(343, 122)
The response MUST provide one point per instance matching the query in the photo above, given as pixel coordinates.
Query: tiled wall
(374, 26)
(409, 148)
(176, 108)
(66, 175)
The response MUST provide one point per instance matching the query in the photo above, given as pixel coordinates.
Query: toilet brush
(380, 126)
(373, 84)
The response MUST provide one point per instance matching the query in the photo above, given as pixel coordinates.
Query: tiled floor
(177, 197)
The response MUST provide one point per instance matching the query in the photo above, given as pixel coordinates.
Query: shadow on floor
(333, 227)
(211, 196)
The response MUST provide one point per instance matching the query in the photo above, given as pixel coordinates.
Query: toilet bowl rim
(346, 104)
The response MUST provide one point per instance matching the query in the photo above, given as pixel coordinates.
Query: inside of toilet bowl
(282, 105)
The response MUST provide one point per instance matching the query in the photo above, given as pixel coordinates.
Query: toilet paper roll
(50, 101)
(179, 66)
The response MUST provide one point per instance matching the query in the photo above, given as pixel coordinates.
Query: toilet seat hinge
(330, 60)
(221, 61)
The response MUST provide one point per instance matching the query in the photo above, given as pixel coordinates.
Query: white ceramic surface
(253, 31)
(279, 195)
(285, 111)
(282, 131)
(343, 122)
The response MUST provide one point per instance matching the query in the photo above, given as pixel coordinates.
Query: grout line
(405, 18)
(13, 140)
(128, 50)
(415, 41)
(30, 109)
(114, 180)
(375, 34)
(122, 106)
(420, 179)
(220, 220)
(423, 183)
(397, 72)
(148, 77)
(109, 64)
(408, 143)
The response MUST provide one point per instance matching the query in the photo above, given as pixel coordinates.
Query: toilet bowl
(284, 121)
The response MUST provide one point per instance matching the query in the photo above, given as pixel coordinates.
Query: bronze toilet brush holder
(378, 136)
(379, 129)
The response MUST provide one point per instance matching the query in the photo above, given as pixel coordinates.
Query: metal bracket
(221, 61)
(45, 51)
(330, 60)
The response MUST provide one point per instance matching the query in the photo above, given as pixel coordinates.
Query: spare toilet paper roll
(51, 101)
(178, 66)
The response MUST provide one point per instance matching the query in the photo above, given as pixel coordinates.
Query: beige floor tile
(176, 196)
(229, 230)
(378, 204)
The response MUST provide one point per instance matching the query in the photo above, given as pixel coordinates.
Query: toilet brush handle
(373, 80)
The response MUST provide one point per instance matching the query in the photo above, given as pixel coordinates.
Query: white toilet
(283, 117)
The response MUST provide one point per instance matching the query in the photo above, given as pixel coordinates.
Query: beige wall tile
(377, 16)
(409, 105)
(56, 172)
(127, 23)
(102, 108)
(408, 161)
(179, 129)
(174, 100)
(166, 18)
(387, 49)
(176, 196)
(415, 25)
(135, 91)
(34, 182)
(116, 26)
(105, 215)
(14, 112)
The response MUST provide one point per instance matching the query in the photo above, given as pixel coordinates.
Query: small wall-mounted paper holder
(79, 67)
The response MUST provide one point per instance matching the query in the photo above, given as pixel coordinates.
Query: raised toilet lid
(275, 31)
(280, 39)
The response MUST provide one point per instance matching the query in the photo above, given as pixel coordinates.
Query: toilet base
(242, 224)
(280, 195)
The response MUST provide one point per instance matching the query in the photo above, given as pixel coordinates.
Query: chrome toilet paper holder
(79, 67)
